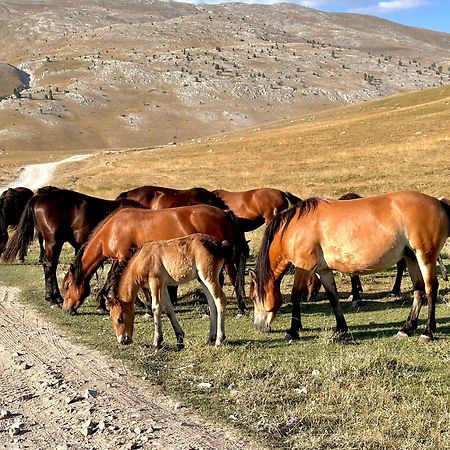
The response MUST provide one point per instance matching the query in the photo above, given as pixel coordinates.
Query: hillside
(402, 142)
(144, 73)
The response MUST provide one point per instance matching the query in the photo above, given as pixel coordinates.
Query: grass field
(369, 392)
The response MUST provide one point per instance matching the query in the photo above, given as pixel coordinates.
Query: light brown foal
(170, 263)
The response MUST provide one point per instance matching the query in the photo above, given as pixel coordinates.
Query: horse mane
(349, 196)
(279, 222)
(210, 198)
(116, 272)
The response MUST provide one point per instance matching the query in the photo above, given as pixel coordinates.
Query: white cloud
(391, 6)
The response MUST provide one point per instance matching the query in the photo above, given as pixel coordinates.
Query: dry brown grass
(402, 142)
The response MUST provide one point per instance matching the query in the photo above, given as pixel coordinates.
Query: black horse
(12, 204)
(59, 216)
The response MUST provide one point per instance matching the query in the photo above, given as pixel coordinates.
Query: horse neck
(92, 258)
(278, 260)
(130, 282)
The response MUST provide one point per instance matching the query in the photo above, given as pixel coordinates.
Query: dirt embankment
(55, 394)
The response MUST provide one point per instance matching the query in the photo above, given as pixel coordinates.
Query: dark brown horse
(59, 216)
(127, 229)
(12, 204)
(257, 206)
(356, 236)
(158, 197)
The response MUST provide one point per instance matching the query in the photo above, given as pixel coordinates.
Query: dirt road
(57, 395)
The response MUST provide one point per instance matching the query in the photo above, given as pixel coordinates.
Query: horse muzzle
(124, 339)
(262, 322)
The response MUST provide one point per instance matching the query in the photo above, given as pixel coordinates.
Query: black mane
(280, 221)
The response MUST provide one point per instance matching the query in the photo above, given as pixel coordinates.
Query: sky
(432, 14)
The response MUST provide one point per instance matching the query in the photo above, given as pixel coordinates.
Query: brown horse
(315, 284)
(158, 197)
(59, 216)
(12, 204)
(173, 262)
(127, 229)
(356, 236)
(257, 206)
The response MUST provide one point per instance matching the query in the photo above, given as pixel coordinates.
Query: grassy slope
(397, 143)
(371, 392)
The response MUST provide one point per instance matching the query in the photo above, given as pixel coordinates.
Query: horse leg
(444, 271)
(173, 294)
(168, 308)
(329, 284)
(418, 288)
(299, 292)
(401, 266)
(428, 270)
(157, 292)
(148, 300)
(50, 263)
(41, 247)
(213, 313)
(220, 303)
(313, 288)
(103, 292)
(232, 275)
(356, 289)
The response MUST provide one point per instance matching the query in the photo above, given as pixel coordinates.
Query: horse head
(74, 293)
(122, 318)
(265, 306)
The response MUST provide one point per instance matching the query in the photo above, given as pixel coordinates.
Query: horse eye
(120, 320)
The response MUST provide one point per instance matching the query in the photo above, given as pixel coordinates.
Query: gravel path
(57, 395)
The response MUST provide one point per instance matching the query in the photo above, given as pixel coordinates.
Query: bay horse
(315, 284)
(159, 264)
(12, 204)
(256, 206)
(357, 237)
(158, 197)
(59, 216)
(129, 228)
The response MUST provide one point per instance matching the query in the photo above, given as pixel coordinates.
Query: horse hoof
(291, 337)
(180, 346)
(425, 338)
(394, 294)
(55, 305)
(401, 335)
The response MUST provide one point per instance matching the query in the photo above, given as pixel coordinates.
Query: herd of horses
(161, 237)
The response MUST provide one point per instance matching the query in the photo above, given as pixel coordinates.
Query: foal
(170, 263)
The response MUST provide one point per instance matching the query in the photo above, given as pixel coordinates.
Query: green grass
(371, 391)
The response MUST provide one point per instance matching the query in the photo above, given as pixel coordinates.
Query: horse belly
(356, 258)
(180, 271)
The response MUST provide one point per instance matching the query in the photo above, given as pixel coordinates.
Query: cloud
(391, 6)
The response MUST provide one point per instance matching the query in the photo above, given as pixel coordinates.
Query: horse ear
(71, 268)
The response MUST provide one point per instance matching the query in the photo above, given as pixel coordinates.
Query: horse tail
(242, 252)
(445, 203)
(24, 234)
(291, 198)
(221, 249)
(3, 224)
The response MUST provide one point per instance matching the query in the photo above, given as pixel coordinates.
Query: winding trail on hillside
(61, 395)
(34, 176)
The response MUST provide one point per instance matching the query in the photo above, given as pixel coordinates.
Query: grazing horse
(12, 203)
(357, 237)
(158, 197)
(127, 229)
(257, 206)
(159, 264)
(315, 283)
(59, 216)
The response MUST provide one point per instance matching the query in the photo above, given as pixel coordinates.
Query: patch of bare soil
(57, 395)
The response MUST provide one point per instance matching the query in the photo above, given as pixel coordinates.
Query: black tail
(242, 251)
(216, 247)
(3, 226)
(24, 234)
(445, 202)
(292, 199)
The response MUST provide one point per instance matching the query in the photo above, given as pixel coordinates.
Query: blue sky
(432, 14)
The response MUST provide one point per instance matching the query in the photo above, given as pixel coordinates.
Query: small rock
(301, 390)
(25, 366)
(4, 413)
(90, 393)
(16, 428)
(69, 399)
(315, 373)
(204, 385)
(101, 425)
(231, 386)
(137, 430)
(88, 428)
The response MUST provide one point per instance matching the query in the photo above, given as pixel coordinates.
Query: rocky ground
(57, 395)
(143, 73)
